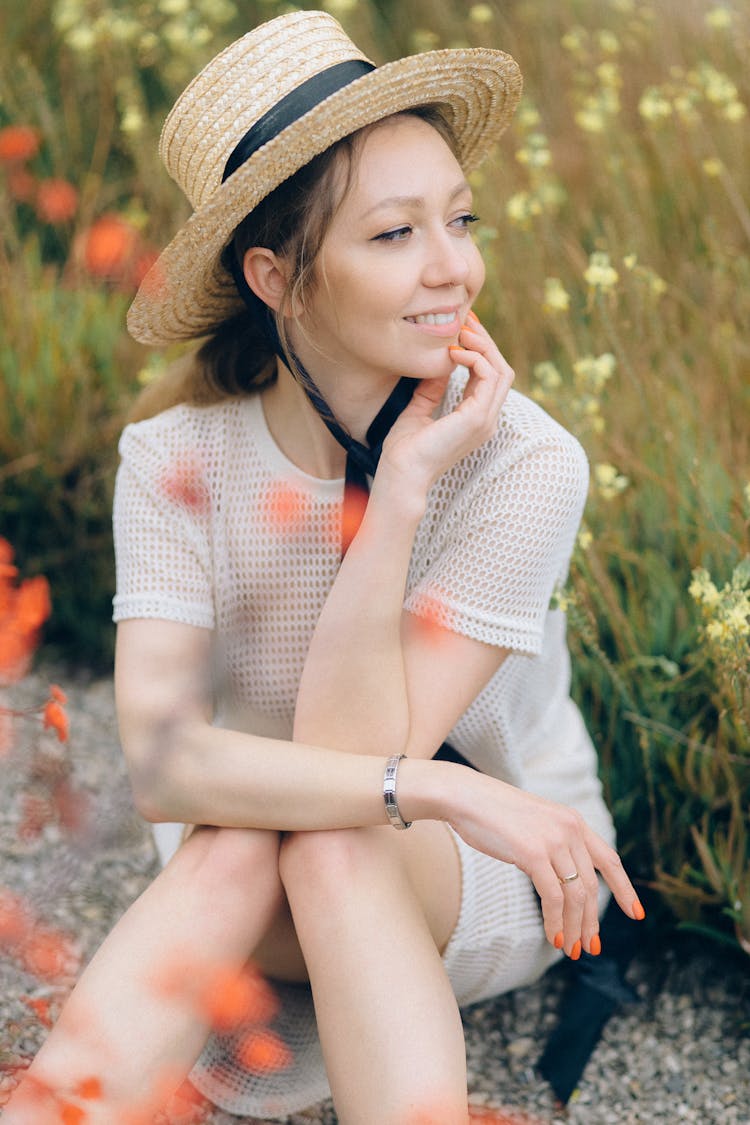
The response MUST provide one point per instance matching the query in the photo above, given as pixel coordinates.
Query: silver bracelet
(389, 793)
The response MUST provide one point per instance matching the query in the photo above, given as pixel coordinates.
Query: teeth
(433, 318)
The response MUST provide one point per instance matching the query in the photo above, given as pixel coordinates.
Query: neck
(298, 428)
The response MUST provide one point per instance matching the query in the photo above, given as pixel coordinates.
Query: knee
(231, 858)
(328, 861)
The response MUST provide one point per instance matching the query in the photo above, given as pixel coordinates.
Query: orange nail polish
(559, 939)
(638, 912)
(595, 946)
(575, 952)
(471, 315)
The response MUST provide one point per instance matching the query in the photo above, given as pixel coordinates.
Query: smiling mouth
(432, 318)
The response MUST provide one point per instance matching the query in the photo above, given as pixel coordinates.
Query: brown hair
(292, 221)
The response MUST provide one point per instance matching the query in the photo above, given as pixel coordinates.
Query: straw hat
(268, 104)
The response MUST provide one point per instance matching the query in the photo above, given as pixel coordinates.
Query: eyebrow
(414, 200)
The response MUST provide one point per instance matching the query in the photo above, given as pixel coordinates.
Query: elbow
(151, 796)
(156, 767)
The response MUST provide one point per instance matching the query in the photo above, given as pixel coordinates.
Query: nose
(447, 261)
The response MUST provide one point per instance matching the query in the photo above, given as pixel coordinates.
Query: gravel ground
(680, 1054)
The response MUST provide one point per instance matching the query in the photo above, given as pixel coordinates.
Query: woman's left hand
(423, 447)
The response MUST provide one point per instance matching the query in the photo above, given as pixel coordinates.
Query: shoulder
(186, 430)
(525, 433)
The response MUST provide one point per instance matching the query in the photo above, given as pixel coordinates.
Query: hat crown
(238, 87)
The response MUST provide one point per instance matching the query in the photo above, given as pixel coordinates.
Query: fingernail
(638, 912)
(471, 315)
(455, 348)
(575, 952)
(595, 946)
(559, 939)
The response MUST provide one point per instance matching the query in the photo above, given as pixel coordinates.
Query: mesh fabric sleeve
(504, 546)
(161, 530)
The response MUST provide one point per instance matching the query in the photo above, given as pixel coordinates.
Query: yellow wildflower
(481, 13)
(609, 74)
(422, 39)
(591, 120)
(653, 106)
(629, 261)
(718, 631)
(702, 589)
(174, 7)
(575, 40)
(219, 11)
(712, 166)
(527, 115)
(608, 42)
(340, 7)
(608, 481)
(132, 120)
(556, 296)
(594, 372)
(737, 620)
(522, 207)
(600, 273)
(81, 38)
(734, 111)
(717, 87)
(584, 539)
(547, 375)
(657, 285)
(550, 195)
(720, 17)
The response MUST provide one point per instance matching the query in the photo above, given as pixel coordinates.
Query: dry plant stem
(116, 1024)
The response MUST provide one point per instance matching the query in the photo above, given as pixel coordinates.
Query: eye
(398, 234)
(463, 222)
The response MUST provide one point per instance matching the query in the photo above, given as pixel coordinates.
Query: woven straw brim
(188, 293)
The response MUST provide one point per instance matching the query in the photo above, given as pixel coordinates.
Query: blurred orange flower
(90, 1089)
(23, 610)
(286, 510)
(56, 201)
(184, 484)
(109, 247)
(21, 184)
(55, 718)
(355, 502)
(72, 1114)
(18, 143)
(14, 919)
(40, 1008)
(263, 1051)
(232, 998)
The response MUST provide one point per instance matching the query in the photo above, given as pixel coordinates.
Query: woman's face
(398, 270)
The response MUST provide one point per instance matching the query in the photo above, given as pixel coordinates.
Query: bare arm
(370, 681)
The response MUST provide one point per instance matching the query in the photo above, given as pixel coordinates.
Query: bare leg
(210, 906)
(388, 1021)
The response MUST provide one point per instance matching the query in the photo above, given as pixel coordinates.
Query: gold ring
(569, 878)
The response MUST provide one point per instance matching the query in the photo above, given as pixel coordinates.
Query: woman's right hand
(547, 841)
(420, 447)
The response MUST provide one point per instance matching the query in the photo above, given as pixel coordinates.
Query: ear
(266, 274)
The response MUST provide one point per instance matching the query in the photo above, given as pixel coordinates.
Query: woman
(292, 654)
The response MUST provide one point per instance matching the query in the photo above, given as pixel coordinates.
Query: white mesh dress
(216, 528)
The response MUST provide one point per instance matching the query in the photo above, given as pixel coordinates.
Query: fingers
(478, 352)
(569, 890)
(607, 861)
